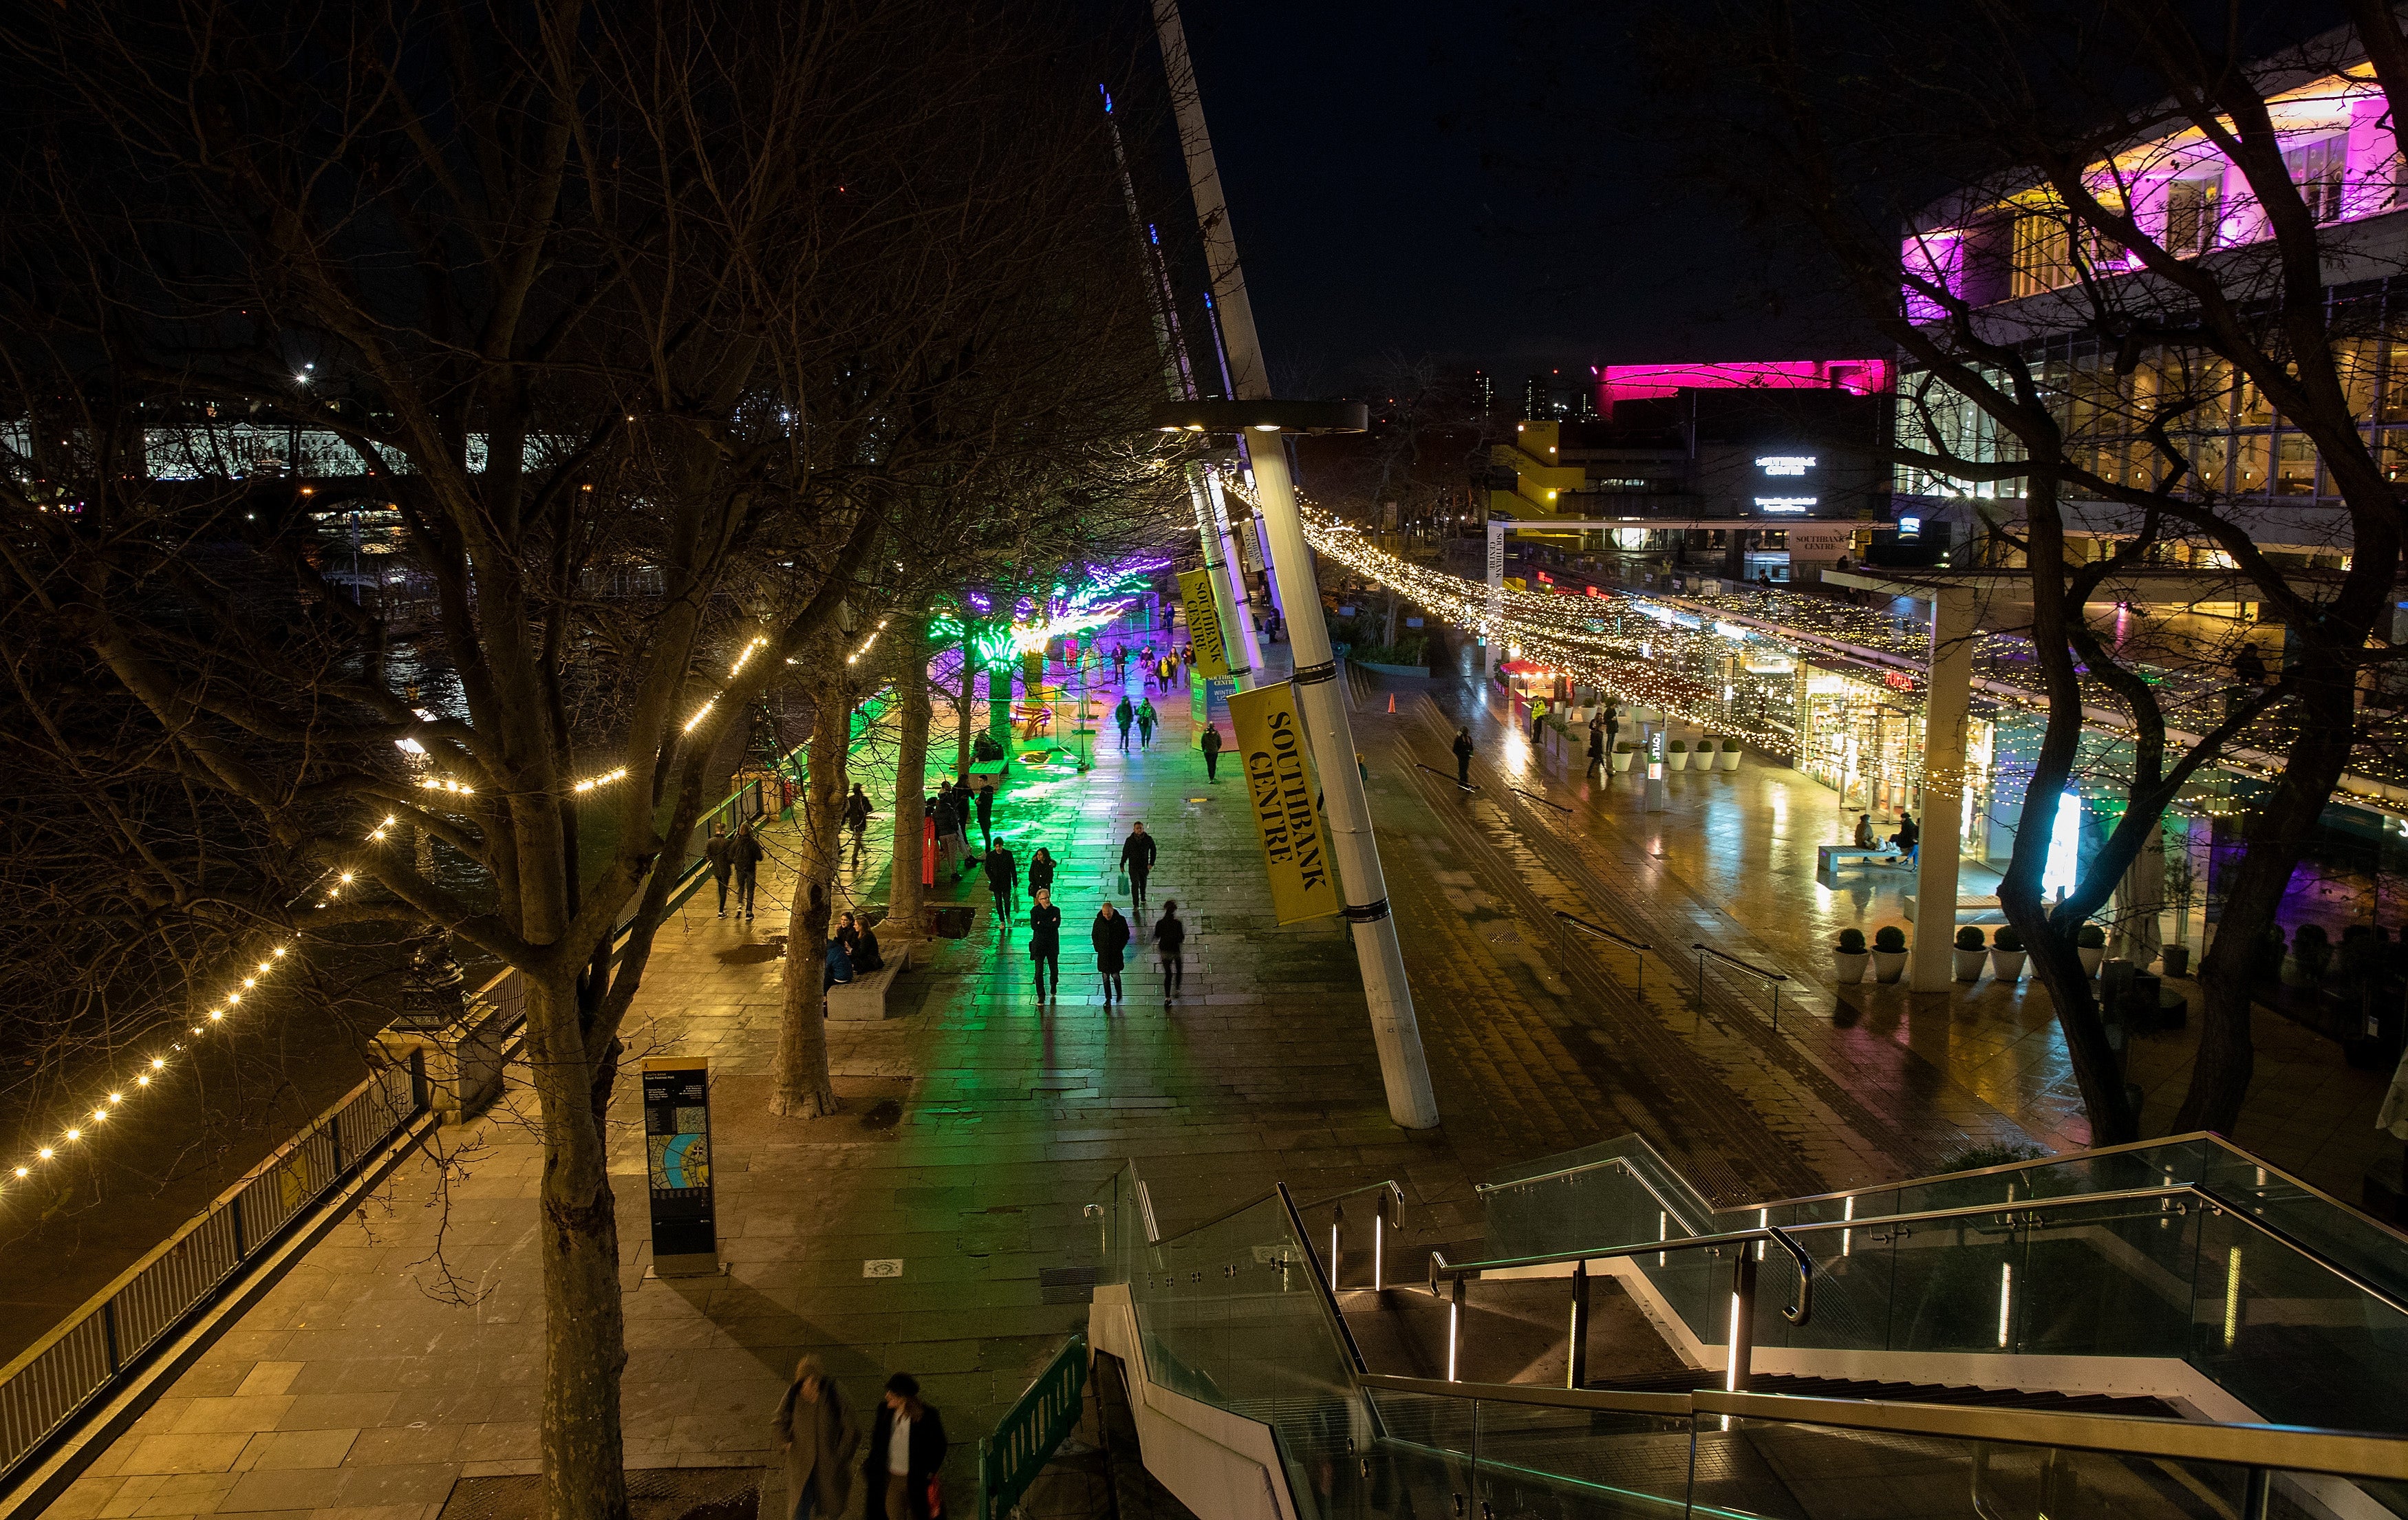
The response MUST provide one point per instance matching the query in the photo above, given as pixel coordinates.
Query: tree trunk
(2056, 966)
(584, 1467)
(910, 771)
(965, 701)
(800, 1087)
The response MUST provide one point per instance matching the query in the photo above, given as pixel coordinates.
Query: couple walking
(739, 855)
(816, 1430)
(1111, 936)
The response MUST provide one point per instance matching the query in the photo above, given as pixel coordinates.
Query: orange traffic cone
(1392, 701)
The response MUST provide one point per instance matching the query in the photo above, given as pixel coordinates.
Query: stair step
(2140, 1406)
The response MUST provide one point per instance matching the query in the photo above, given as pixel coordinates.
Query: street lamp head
(1262, 417)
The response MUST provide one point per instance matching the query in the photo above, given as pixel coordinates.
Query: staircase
(2168, 1329)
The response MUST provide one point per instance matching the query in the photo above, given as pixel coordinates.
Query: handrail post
(1336, 1247)
(1379, 1241)
(1742, 1323)
(1576, 1358)
(1454, 1331)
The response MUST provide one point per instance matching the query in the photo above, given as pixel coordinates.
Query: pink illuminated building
(1643, 382)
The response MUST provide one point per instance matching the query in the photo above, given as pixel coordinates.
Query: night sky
(1403, 178)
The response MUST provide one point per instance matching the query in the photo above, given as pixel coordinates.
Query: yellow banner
(1204, 623)
(1278, 784)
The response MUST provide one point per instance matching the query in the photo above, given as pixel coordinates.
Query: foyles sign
(1278, 787)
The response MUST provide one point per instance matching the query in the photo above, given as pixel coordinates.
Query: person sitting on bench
(984, 748)
(1907, 838)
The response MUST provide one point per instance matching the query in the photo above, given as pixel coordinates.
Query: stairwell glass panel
(1574, 1464)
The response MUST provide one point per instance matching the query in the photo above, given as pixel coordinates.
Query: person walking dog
(907, 1446)
(815, 1430)
(1110, 935)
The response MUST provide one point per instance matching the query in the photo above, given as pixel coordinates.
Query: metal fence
(84, 1358)
(1024, 1440)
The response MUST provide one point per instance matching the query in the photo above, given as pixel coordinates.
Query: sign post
(1279, 788)
(677, 1149)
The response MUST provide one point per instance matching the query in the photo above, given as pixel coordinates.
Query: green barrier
(1024, 1440)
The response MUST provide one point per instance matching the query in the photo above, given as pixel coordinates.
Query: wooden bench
(864, 998)
(1831, 859)
(996, 768)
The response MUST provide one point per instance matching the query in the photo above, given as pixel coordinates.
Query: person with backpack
(1045, 941)
(1169, 935)
(1146, 719)
(1212, 747)
(1110, 935)
(907, 1447)
(1124, 716)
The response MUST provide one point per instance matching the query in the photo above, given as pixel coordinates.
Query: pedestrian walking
(1212, 746)
(1597, 746)
(1146, 719)
(1463, 758)
(747, 853)
(1003, 879)
(816, 1432)
(1169, 935)
(1613, 725)
(1041, 869)
(907, 1446)
(1124, 716)
(720, 853)
(1045, 941)
(987, 813)
(1137, 853)
(1110, 935)
(857, 818)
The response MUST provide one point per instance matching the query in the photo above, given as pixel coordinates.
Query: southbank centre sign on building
(1279, 787)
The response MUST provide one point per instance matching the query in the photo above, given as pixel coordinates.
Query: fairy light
(589, 783)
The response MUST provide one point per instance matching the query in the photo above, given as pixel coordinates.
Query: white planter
(1620, 761)
(2091, 955)
(2007, 964)
(1888, 965)
(1729, 757)
(1849, 969)
(1676, 760)
(1968, 963)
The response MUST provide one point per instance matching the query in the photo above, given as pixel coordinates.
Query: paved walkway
(404, 1352)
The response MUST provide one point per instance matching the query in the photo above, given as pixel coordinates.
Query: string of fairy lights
(152, 1068)
(1664, 653)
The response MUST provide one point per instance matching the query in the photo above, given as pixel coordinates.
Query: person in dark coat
(986, 813)
(1908, 838)
(1041, 869)
(1212, 746)
(1137, 858)
(1045, 944)
(840, 965)
(747, 853)
(815, 1429)
(1124, 716)
(720, 853)
(1003, 879)
(907, 1447)
(1110, 935)
(1146, 717)
(1169, 937)
(857, 818)
(1613, 725)
(1596, 745)
(863, 949)
(1463, 758)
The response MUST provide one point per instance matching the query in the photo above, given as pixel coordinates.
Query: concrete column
(1945, 700)
(1229, 586)
(1496, 597)
(1394, 1028)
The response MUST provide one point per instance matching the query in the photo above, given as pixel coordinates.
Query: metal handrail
(1394, 1190)
(1768, 976)
(1623, 1161)
(2292, 1448)
(1472, 786)
(1602, 933)
(1325, 1292)
(1536, 798)
(1797, 1314)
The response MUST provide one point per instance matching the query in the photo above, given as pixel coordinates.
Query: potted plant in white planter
(1848, 957)
(1676, 755)
(2090, 943)
(2007, 954)
(1889, 953)
(1729, 755)
(1968, 956)
(1623, 753)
